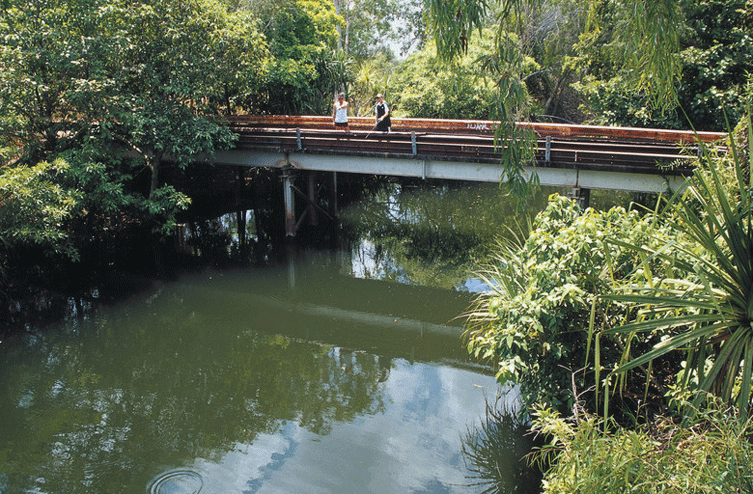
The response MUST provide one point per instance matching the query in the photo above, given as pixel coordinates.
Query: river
(333, 371)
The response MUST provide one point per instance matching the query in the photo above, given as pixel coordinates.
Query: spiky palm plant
(706, 308)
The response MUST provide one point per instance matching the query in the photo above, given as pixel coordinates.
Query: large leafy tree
(426, 86)
(305, 69)
(114, 89)
(145, 73)
(714, 56)
(53, 87)
(649, 36)
(173, 67)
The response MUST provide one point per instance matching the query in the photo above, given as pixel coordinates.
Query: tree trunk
(155, 166)
(339, 29)
(347, 25)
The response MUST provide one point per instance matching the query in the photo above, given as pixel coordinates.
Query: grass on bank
(714, 455)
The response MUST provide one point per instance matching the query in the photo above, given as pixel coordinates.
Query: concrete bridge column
(312, 210)
(333, 196)
(581, 196)
(287, 183)
(313, 215)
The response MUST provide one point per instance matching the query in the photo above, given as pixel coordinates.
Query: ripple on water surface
(177, 482)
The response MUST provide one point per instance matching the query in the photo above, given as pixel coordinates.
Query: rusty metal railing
(480, 127)
(559, 145)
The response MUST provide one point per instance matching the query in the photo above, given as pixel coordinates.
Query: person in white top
(382, 112)
(340, 112)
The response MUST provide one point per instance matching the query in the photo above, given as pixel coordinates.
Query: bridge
(576, 156)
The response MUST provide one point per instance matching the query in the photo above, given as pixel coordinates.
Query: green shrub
(34, 207)
(711, 456)
(544, 318)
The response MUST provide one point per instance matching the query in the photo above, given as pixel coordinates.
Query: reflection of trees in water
(496, 450)
(122, 395)
(432, 233)
(349, 388)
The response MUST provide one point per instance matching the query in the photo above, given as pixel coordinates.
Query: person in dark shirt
(382, 112)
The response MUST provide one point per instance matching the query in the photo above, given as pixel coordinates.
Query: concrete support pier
(287, 183)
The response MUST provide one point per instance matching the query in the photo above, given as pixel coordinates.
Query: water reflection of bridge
(575, 156)
(314, 304)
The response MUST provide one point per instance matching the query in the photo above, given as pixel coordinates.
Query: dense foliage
(714, 455)
(668, 63)
(543, 323)
(648, 33)
(425, 86)
(96, 97)
(304, 69)
(716, 50)
(144, 92)
(638, 317)
(704, 305)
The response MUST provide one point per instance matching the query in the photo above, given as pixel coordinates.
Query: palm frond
(706, 308)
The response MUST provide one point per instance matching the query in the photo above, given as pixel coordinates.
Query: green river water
(337, 371)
